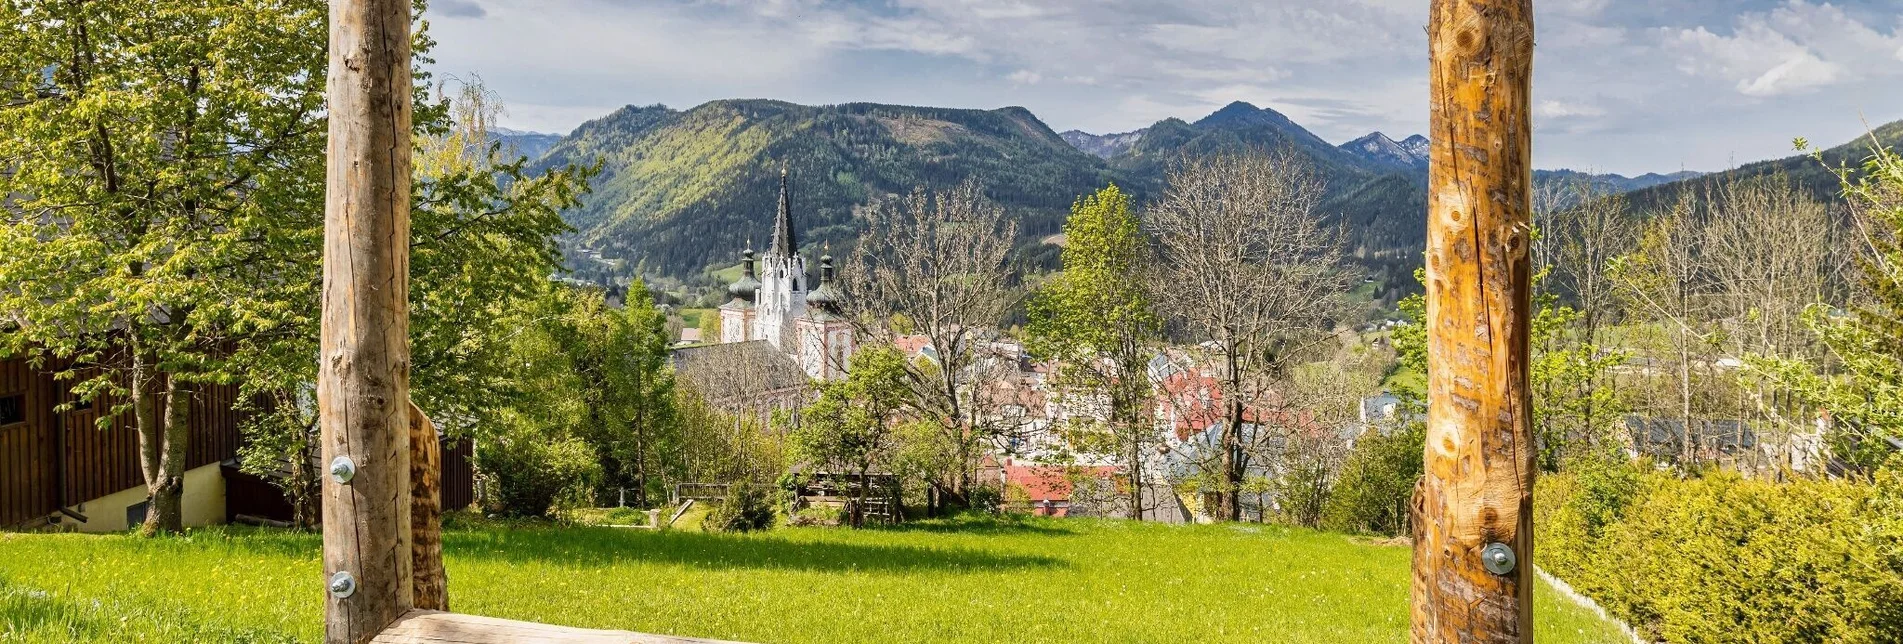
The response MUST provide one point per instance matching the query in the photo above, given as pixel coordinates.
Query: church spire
(784, 243)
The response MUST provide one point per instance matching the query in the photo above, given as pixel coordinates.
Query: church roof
(785, 244)
(745, 287)
(824, 301)
(754, 364)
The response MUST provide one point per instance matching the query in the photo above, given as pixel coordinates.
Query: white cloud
(1796, 48)
(1024, 77)
(1552, 109)
(1626, 86)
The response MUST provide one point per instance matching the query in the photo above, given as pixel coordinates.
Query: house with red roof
(1052, 488)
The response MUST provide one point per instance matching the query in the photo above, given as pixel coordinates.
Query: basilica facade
(775, 302)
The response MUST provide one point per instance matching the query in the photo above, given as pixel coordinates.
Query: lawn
(967, 579)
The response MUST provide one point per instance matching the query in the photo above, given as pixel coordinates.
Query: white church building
(772, 303)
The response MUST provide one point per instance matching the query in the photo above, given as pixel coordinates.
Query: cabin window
(12, 409)
(78, 402)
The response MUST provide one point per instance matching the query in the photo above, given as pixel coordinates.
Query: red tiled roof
(1051, 482)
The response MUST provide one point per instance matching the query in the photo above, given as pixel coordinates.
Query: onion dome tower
(737, 323)
(826, 336)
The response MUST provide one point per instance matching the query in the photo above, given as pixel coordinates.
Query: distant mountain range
(529, 144)
(1408, 154)
(683, 191)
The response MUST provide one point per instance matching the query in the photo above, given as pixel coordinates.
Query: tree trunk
(363, 382)
(1480, 456)
(165, 483)
(1232, 463)
(431, 584)
(1136, 475)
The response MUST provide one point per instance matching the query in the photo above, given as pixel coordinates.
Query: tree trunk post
(426, 514)
(1473, 548)
(363, 382)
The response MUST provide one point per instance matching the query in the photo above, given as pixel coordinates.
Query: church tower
(825, 336)
(782, 294)
(737, 322)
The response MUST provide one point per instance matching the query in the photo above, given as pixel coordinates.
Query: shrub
(1725, 559)
(747, 508)
(1377, 482)
(817, 516)
(539, 476)
(987, 499)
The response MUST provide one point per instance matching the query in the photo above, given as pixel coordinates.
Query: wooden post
(363, 382)
(1480, 454)
(426, 514)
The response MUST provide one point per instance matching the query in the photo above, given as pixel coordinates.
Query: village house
(68, 470)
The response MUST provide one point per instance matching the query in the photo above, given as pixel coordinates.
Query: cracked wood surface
(363, 371)
(1480, 452)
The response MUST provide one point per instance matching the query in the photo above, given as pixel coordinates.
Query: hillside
(1806, 172)
(684, 190)
(681, 191)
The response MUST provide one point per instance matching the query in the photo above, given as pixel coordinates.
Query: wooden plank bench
(437, 627)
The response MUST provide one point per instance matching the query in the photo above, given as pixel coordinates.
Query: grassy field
(978, 580)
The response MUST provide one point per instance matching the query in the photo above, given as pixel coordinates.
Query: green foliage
(590, 374)
(1376, 484)
(1095, 320)
(534, 475)
(747, 508)
(1573, 412)
(1726, 559)
(1864, 395)
(851, 426)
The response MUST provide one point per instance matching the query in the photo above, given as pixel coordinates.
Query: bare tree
(1246, 268)
(1772, 253)
(933, 265)
(1666, 277)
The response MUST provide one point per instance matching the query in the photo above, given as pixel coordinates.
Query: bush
(1377, 482)
(1725, 559)
(987, 499)
(747, 508)
(817, 516)
(538, 476)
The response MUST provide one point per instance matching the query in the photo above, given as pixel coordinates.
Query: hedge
(1719, 558)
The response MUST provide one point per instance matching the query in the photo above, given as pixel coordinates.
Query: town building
(775, 303)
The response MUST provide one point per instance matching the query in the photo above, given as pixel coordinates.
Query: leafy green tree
(1378, 480)
(1094, 319)
(854, 424)
(1863, 393)
(162, 166)
(1572, 414)
(164, 218)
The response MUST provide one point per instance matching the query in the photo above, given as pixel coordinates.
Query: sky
(1627, 86)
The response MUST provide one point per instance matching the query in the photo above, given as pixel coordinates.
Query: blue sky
(1626, 86)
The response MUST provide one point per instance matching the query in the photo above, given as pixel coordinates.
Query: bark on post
(1480, 452)
(426, 514)
(363, 385)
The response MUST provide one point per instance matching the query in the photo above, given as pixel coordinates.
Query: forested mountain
(1802, 169)
(681, 191)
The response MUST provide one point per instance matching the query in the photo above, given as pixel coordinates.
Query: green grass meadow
(958, 580)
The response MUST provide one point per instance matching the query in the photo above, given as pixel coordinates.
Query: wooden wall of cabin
(99, 458)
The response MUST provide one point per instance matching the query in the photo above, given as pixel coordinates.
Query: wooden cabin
(60, 470)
